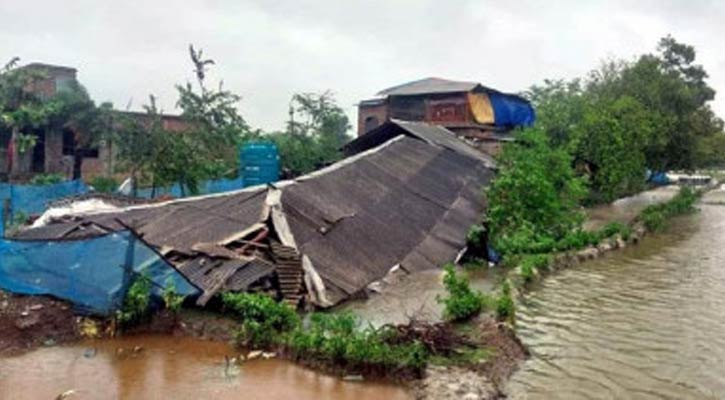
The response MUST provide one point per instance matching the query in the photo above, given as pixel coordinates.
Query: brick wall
(370, 117)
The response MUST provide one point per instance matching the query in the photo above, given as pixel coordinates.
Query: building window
(90, 153)
(371, 123)
(64, 83)
(4, 138)
(69, 142)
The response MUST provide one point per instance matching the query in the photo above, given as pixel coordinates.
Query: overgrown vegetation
(534, 200)
(103, 184)
(333, 339)
(25, 111)
(172, 299)
(505, 307)
(628, 116)
(47, 179)
(263, 320)
(135, 308)
(202, 146)
(18, 220)
(205, 145)
(461, 302)
(654, 217)
(532, 263)
(316, 130)
(340, 340)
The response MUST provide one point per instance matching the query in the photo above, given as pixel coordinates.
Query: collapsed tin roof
(408, 202)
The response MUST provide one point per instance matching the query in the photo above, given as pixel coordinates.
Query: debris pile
(405, 203)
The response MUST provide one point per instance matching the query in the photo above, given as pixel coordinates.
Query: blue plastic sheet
(34, 199)
(93, 274)
(208, 187)
(511, 110)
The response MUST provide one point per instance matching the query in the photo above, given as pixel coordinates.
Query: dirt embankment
(27, 322)
(478, 381)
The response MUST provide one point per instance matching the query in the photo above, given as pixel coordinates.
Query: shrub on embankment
(612, 235)
(655, 216)
(461, 303)
(329, 340)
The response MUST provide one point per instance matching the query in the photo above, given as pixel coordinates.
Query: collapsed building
(403, 199)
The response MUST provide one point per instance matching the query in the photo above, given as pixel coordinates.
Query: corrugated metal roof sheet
(429, 86)
(409, 201)
(358, 222)
(430, 133)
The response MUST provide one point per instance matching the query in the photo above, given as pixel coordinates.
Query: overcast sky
(268, 50)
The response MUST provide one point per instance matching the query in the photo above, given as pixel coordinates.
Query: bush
(18, 220)
(461, 303)
(136, 303)
(654, 216)
(104, 184)
(172, 300)
(262, 318)
(339, 339)
(577, 240)
(476, 239)
(47, 179)
(534, 200)
(527, 272)
(532, 263)
(505, 308)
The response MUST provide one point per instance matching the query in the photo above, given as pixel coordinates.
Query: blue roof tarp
(510, 110)
(93, 274)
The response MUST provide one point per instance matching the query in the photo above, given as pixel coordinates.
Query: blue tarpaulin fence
(208, 187)
(259, 164)
(94, 274)
(34, 199)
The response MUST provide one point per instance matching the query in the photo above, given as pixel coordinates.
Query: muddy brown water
(626, 209)
(169, 368)
(644, 323)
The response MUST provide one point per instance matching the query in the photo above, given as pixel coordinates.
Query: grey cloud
(268, 50)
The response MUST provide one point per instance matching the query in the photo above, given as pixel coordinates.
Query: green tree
(316, 130)
(205, 147)
(625, 117)
(535, 195)
(91, 125)
(609, 145)
(212, 119)
(22, 108)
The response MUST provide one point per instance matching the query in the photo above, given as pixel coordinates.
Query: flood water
(644, 323)
(626, 209)
(169, 368)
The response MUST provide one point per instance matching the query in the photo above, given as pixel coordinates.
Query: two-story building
(55, 148)
(478, 113)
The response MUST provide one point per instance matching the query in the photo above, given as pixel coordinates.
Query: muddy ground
(27, 322)
(482, 381)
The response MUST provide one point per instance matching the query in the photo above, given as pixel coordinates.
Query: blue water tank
(259, 163)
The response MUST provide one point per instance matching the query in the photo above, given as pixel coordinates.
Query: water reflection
(646, 323)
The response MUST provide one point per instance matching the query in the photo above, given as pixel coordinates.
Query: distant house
(54, 150)
(469, 109)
